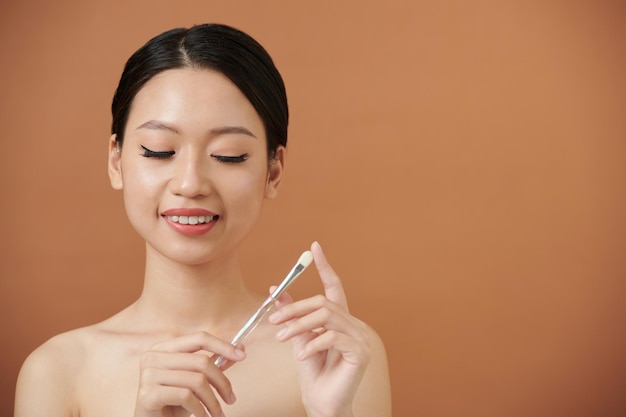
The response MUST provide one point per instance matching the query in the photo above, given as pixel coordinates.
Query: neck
(181, 299)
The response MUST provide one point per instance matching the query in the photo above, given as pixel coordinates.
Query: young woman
(199, 134)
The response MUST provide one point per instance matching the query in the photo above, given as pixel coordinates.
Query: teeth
(190, 219)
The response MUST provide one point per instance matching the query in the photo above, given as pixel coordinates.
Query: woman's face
(194, 167)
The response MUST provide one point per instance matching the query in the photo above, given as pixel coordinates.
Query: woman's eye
(156, 154)
(231, 159)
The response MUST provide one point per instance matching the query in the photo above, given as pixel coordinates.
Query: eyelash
(148, 153)
(154, 154)
(231, 159)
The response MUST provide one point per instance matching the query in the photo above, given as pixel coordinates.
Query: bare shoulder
(48, 375)
(374, 394)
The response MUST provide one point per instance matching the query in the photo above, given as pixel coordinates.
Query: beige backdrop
(463, 162)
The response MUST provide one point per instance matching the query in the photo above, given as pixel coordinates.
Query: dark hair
(212, 46)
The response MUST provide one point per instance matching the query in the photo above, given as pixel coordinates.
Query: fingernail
(232, 398)
(282, 333)
(274, 317)
(240, 354)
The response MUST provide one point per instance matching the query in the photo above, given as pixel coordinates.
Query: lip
(180, 211)
(189, 229)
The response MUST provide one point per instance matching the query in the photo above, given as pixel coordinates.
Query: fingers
(201, 341)
(323, 334)
(282, 299)
(180, 373)
(166, 388)
(317, 324)
(222, 362)
(314, 313)
(198, 369)
(153, 400)
(352, 349)
(310, 314)
(332, 284)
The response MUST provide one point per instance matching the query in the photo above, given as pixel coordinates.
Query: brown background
(462, 162)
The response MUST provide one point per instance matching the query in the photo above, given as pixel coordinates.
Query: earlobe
(275, 173)
(115, 163)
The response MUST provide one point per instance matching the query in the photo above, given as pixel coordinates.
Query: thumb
(282, 299)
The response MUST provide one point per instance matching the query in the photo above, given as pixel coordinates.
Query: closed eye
(231, 159)
(148, 153)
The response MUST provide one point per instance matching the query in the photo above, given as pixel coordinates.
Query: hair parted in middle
(216, 47)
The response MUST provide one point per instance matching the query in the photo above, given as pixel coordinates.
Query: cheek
(140, 179)
(245, 192)
(140, 188)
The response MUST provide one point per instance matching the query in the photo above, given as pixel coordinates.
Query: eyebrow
(236, 130)
(157, 125)
(218, 131)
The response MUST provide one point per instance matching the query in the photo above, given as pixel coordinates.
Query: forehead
(193, 98)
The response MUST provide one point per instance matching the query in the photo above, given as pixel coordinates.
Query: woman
(198, 143)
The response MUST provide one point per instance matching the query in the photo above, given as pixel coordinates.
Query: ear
(115, 163)
(275, 173)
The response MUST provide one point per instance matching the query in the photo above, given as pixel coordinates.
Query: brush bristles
(306, 258)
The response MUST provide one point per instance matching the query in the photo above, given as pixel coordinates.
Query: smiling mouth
(191, 219)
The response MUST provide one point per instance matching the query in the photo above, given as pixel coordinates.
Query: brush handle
(250, 325)
(255, 319)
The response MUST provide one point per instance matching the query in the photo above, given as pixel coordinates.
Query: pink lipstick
(190, 221)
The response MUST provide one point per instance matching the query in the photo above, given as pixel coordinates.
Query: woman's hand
(331, 346)
(178, 377)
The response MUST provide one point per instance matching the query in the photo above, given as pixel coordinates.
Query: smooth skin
(311, 357)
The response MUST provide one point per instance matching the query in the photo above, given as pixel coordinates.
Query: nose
(190, 178)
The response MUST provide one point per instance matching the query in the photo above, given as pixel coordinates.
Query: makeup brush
(305, 260)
